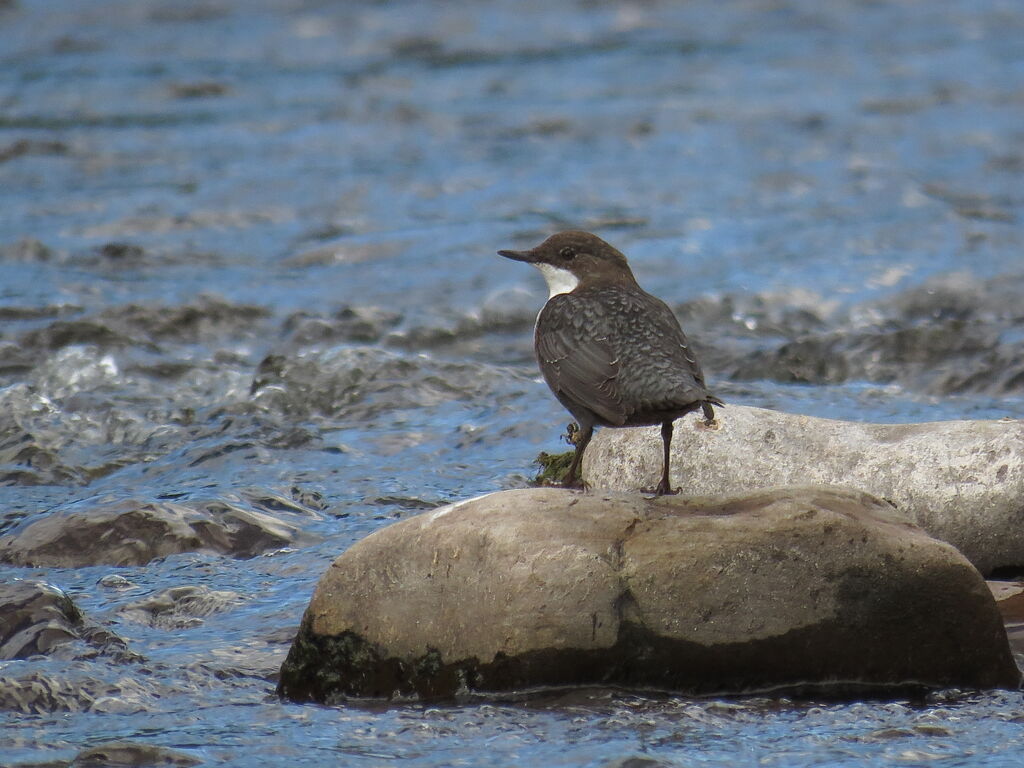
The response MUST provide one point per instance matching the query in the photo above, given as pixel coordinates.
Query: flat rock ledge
(823, 591)
(962, 481)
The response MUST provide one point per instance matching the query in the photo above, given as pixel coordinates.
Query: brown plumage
(612, 354)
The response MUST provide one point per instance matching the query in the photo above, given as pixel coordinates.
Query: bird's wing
(681, 351)
(673, 377)
(576, 358)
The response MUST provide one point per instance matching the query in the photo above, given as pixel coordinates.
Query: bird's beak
(528, 256)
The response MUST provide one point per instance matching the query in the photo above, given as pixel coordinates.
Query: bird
(612, 354)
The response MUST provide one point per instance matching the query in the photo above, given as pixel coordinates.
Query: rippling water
(247, 257)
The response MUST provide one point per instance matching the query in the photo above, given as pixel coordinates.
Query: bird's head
(574, 258)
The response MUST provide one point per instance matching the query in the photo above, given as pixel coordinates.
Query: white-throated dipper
(613, 355)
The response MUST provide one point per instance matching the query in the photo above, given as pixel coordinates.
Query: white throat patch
(559, 280)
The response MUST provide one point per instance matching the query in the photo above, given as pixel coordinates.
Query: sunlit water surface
(187, 189)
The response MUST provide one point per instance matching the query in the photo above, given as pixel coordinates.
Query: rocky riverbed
(250, 313)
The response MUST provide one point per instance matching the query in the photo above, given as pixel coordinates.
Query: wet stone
(299, 502)
(769, 314)
(15, 360)
(113, 754)
(360, 382)
(954, 333)
(207, 317)
(134, 533)
(63, 333)
(309, 499)
(116, 581)
(180, 607)
(40, 693)
(145, 325)
(36, 313)
(810, 590)
(918, 357)
(36, 618)
(41, 619)
(356, 324)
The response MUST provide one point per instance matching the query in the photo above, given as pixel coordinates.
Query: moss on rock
(553, 468)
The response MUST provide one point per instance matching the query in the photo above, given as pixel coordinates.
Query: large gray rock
(803, 588)
(962, 481)
(134, 533)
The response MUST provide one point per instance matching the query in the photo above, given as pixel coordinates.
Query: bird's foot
(662, 489)
(572, 433)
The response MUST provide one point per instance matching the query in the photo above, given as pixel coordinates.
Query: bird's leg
(582, 437)
(666, 439)
(709, 413)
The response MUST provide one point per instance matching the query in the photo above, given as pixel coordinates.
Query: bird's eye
(568, 253)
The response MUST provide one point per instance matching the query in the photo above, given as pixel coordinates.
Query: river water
(247, 257)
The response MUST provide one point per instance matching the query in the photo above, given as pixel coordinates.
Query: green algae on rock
(553, 467)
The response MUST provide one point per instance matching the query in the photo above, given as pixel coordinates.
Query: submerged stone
(962, 481)
(41, 693)
(180, 607)
(134, 533)
(824, 590)
(39, 619)
(113, 754)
